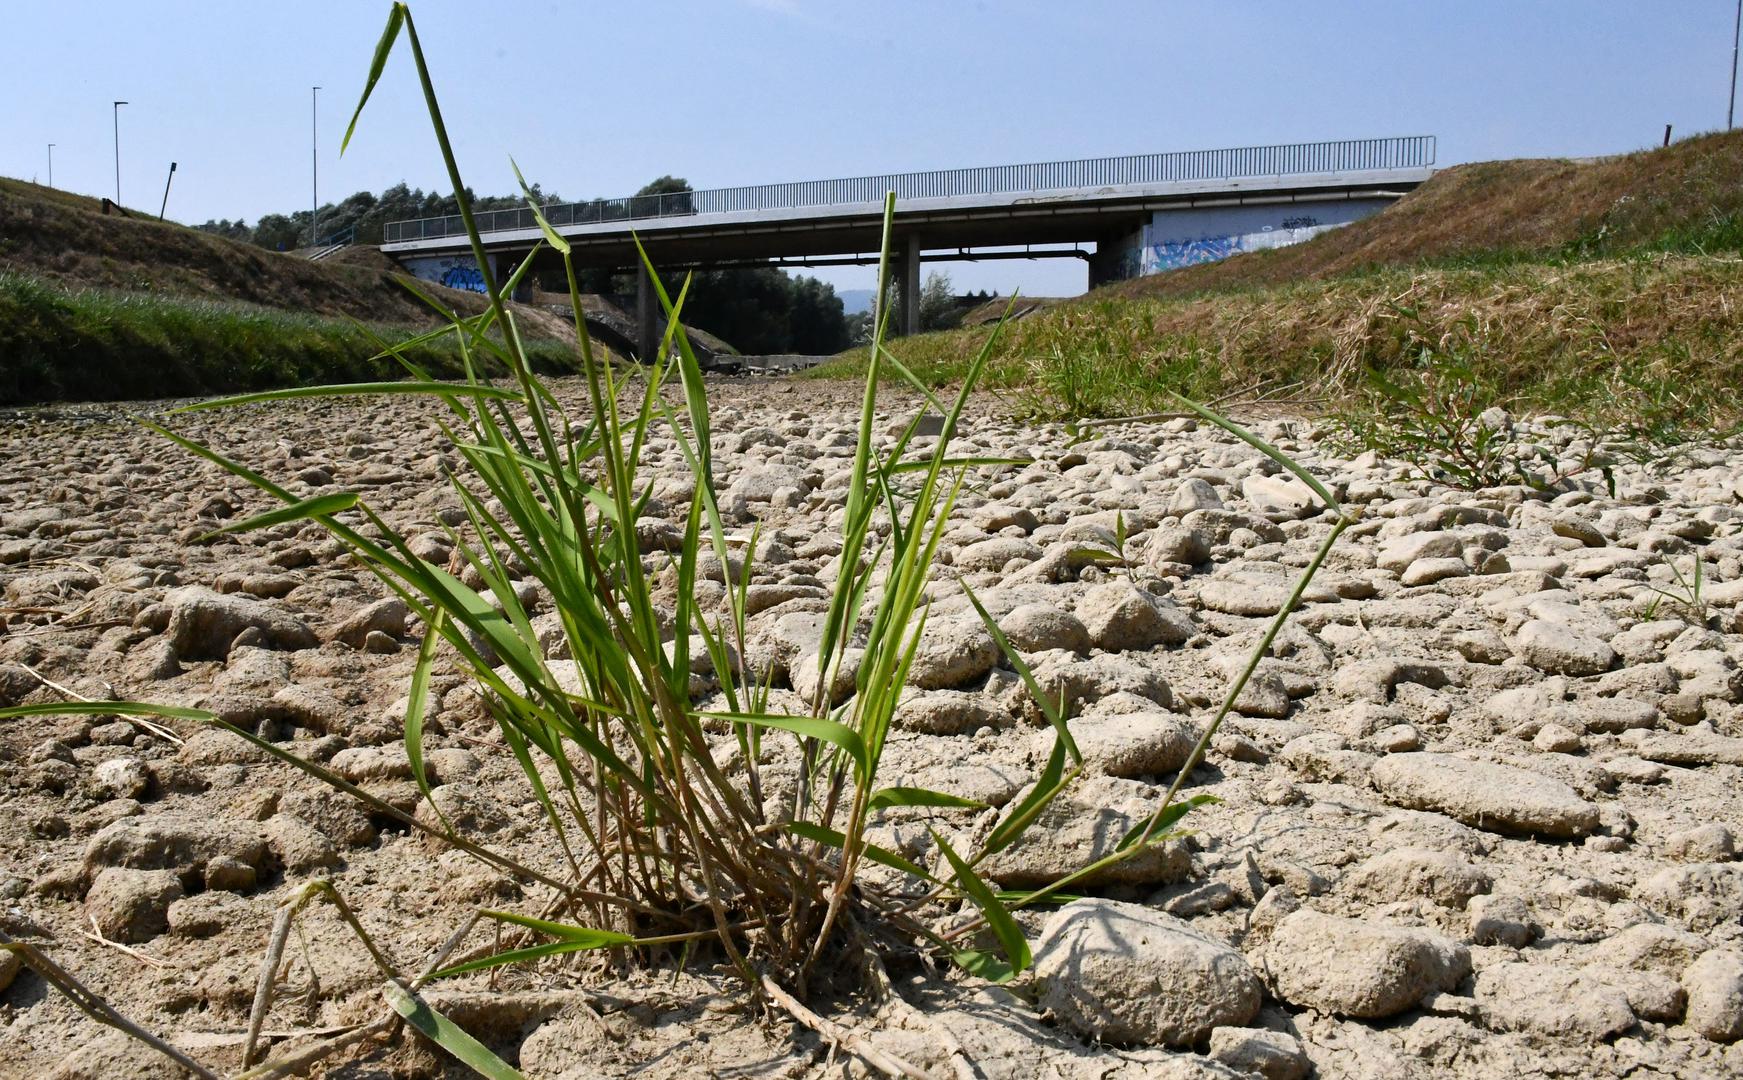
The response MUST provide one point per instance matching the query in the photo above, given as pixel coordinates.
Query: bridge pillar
(908, 265)
(647, 315)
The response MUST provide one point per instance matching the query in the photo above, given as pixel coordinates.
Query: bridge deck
(1035, 203)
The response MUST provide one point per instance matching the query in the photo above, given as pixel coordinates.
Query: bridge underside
(1109, 219)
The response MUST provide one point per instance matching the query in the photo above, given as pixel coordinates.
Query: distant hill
(854, 301)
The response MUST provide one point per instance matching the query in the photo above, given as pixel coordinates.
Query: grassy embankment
(1562, 285)
(96, 306)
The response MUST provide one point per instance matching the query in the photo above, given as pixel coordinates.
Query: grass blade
(913, 796)
(395, 18)
(1005, 928)
(447, 1034)
(318, 507)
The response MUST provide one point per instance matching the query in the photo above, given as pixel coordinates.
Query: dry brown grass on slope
(1493, 208)
(1548, 336)
(67, 239)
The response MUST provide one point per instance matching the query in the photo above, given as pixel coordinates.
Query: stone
(1272, 1055)
(1174, 544)
(952, 653)
(465, 808)
(10, 966)
(1040, 627)
(113, 1055)
(121, 778)
(1194, 493)
(299, 846)
(1555, 739)
(206, 914)
(1082, 825)
(1714, 985)
(1249, 598)
(806, 675)
(1711, 842)
(1499, 798)
(180, 843)
(1654, 947)
(1396, 555)
(1501, 920)
(1125, 974)
(1359, 968)
(996, 554)
(947, 712)
(226, 873)
(1553, 1000)
(385, 616)
(1701, 895)
(203, 624)
(131, 906)
(1562, 650)
(1445, 877)
(1429, 571)
(1120, 616)
(1131, 744)
(1278, 498)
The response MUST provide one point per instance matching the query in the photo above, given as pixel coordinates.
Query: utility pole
(117, 112)
(166, 184)
(1736, 32)
(51, 164)
(314, 169)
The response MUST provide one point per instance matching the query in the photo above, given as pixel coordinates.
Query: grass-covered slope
(1563, 284)
(96, 305)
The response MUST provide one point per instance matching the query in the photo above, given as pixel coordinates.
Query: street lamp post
(314, 168)
(51, 164)
(1736, 33)
(117, 112)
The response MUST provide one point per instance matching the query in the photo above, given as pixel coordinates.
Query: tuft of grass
(663, 833)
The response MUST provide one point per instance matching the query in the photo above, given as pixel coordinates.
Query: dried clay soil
(1479, 816)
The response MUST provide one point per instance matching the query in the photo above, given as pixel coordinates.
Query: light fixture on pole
(51, 164)
(314, 168)
(117, 111)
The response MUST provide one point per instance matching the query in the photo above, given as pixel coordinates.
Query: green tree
(938, 307)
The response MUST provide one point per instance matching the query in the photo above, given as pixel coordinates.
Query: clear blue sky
(595, 99)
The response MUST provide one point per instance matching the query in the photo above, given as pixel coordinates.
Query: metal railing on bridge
(1290, 159)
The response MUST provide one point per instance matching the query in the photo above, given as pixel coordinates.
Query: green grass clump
(96, 345)
(664, 842)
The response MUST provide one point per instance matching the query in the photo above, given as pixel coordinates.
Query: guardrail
(1289, 159)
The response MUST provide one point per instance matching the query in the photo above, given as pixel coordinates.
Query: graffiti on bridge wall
(1173, 254)
(463, 276)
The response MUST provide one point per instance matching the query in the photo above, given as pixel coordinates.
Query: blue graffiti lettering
(463, 277)
(1173, 254)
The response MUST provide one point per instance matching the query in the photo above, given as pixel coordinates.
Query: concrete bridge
(1144, 214)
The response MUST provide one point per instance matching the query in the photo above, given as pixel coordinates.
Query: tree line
(758, 311)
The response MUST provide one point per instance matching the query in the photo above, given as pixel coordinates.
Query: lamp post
(1736, 32)
(117, 112)
(314, 169)
(51, 164)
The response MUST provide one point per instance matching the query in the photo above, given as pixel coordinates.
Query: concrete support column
(647, 316)
(908, 265)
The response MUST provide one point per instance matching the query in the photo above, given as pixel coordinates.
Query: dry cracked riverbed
(1479, 814)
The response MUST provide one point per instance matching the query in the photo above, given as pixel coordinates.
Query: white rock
(1562, 650)
(1124, 973)
(1500, 798)
(1714, 985)
(1360, 968)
